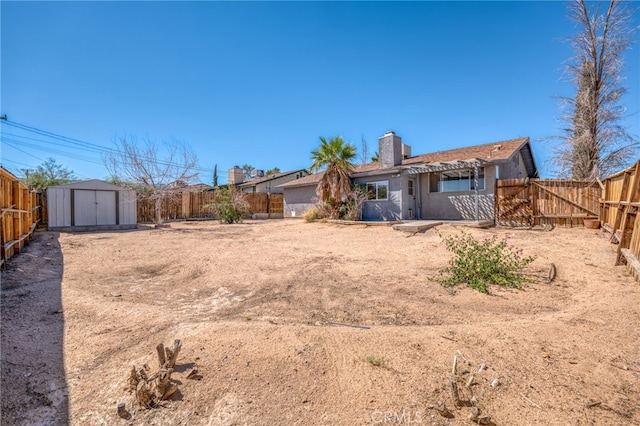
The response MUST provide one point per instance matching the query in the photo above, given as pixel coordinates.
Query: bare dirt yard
(266, 310)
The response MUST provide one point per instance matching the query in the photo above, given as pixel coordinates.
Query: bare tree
(157, 170)
(364, 151)
(595, 142)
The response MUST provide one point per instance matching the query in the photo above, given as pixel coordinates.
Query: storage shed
(91, 205)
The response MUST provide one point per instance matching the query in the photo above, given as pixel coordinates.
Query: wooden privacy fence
(620, 215)
(190, 205)
(19, 216)
(529, 202)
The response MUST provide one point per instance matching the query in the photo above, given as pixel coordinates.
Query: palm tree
(335, 185)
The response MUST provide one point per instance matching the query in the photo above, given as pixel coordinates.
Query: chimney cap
(390, 132)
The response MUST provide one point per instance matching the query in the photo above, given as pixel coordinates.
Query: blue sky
(258, 82)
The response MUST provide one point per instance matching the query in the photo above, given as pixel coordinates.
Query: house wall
(459, 205)
(513, 168)
(390, 209)
(297, 200)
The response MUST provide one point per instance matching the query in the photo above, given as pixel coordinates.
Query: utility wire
(72, 143)
(22, 151)
(13, 143)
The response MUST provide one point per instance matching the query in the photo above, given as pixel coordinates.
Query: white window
(378, 190)
(456, 181)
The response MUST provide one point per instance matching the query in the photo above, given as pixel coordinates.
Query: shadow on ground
(33, 381)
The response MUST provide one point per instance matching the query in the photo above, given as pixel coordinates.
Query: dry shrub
(317, 212)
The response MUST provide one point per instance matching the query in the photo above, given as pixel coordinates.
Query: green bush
(479, 264)
(230, 205)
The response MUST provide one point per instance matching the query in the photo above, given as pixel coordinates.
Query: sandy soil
(257, 307)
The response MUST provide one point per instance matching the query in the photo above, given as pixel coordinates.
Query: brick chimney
(235, 176)
(389, 150)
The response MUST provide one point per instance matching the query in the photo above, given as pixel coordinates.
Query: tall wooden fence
(620, 215)
(190, 205)
(19, 216)
(529, 202)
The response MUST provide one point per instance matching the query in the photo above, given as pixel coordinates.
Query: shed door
(106, 207)
(94, 207)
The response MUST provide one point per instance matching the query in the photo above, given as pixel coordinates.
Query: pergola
(443, 166)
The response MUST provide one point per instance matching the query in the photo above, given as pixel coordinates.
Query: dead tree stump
(167, 357)
(149, 390)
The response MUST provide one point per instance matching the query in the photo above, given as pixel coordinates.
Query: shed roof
(92, 184)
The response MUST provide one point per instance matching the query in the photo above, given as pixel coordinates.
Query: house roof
(496, 152)
(258, 180)
(490, 152)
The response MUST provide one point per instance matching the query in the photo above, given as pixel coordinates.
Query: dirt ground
(267, 309)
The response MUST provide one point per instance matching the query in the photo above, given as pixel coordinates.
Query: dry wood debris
(150, 389)
(461, 384)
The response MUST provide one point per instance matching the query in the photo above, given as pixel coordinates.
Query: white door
(106, 207)
(94, 207)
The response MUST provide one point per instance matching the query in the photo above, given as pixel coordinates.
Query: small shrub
(352, 208)
(376, 361)
(316, 212)
(481, 263)
(230, 205)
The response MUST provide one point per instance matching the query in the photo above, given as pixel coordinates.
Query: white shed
(91, 205)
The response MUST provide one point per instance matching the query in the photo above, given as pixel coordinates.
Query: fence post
(186, 207)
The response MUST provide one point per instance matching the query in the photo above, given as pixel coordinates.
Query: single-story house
(454, 184)
(261, 182)
(91, 205)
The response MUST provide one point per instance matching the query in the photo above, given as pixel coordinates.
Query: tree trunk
(158, 205)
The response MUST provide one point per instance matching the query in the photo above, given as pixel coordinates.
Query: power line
(16, 162)
(37, 147)
(73, 144)
(24, 152)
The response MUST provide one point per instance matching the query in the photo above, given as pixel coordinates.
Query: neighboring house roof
(258, 180)
(315, 178)
(304, 181)
(496, 152)
(199, 187)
